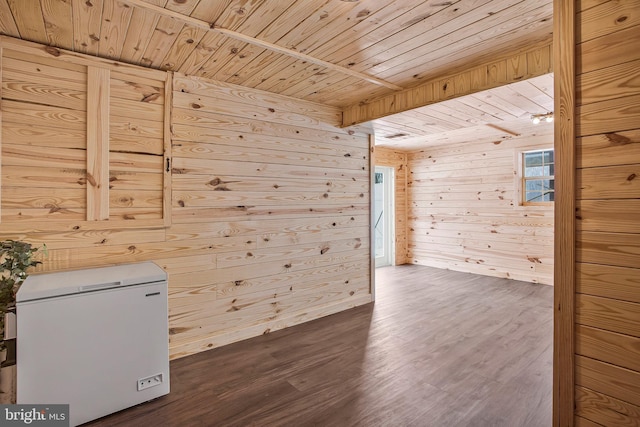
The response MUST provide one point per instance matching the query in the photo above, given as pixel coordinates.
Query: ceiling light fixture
(537, 118)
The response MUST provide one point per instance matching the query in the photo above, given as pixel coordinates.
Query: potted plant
(16, 258)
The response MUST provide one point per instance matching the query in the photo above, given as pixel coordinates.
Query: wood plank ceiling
(334, 52)
(492, 115)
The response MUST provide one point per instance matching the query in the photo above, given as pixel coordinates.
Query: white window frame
(522, 179)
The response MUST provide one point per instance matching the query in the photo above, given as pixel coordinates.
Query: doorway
(383, 216)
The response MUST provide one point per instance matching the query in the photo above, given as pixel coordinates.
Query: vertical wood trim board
(98, 95)
(372, 242)
(564, 272)
(1, 64)
(166, 183)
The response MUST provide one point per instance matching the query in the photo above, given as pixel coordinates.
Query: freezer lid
(50, 285)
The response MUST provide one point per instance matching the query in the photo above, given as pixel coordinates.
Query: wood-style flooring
(438, 348)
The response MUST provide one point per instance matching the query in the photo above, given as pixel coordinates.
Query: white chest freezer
(95, 339)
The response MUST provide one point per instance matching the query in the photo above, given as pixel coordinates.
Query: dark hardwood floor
(438, 348)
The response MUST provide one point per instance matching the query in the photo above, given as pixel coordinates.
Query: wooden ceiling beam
(198, 23)
(521, 65)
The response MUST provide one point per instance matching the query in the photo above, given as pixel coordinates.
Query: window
(537, 176)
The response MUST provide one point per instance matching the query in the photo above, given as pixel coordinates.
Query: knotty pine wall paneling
(268, 200)
(278, 197)
(398, 161)
(607, 268)
(464, 212)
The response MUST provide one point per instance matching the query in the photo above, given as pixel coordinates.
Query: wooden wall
(398, 161)
(262, 221)
(464, 211)
(607, 197)
(279, 197)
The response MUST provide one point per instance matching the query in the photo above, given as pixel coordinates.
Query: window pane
(533, 185)
(534, 196)
(532, 159)
(536, 166)
(534, 171)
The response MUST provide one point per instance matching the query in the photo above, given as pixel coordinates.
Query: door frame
(388, 217)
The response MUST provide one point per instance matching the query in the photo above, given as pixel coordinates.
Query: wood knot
(52, 51)
(239, 282)
(151, 97)
(181, 203)
(324, 250)
(631, 177)
(195, 106)
(617, 139)
(53, 208)
(287, 266)
(272, 110)
(621, 19)
(132, 248)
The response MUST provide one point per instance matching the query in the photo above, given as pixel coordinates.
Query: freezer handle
(100, 286)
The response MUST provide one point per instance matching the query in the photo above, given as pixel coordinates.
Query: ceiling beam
(520, 65)
(198, 23)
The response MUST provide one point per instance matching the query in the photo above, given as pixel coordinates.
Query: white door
(383, 216)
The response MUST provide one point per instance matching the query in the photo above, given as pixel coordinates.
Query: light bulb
(535, 120)
(549, 119)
